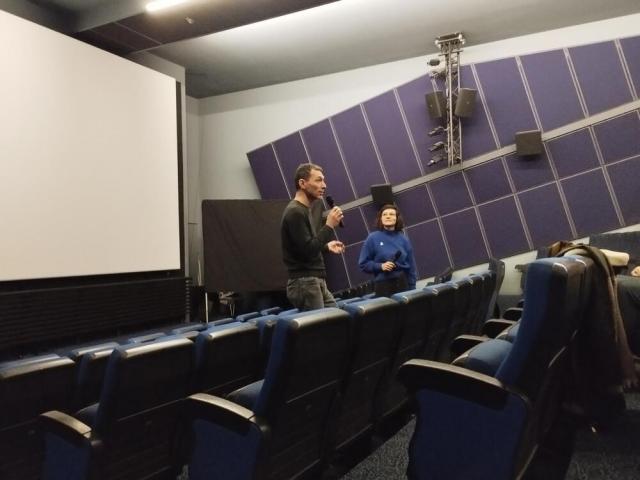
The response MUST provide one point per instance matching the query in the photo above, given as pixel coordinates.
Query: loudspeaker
(465, 103)
(382, 194)
(529, 142)
(436, 104)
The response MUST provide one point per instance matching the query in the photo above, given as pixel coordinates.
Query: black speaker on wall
(436, 104)
(465, 103)
(382, 194)
(528, 143)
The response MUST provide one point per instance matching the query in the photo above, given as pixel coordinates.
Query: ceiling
(232, 45)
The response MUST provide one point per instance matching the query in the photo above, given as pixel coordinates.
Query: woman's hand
(388, 266)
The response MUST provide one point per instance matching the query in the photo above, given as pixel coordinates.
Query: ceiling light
(160, 4)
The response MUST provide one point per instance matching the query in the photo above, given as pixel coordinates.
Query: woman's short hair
(399, 220)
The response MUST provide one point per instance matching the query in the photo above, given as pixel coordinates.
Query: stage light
(436, 146)
(437, 131)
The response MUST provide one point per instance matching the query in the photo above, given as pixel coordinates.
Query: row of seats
(501, 398)
(125, 399)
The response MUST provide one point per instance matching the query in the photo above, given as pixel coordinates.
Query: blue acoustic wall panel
(625, 178)
(573, 153)
(267, 173)
(600, 76)
(415, 205)
(476, 132)
(503, 227)
(590, 203)
(584, 182)
(290, 153)
(506, 98)
(488, 181)
(529, 172)
(545, 215)
(351, 259)
(619, 137)
(631, 50)
(392, 138)
(428, 248)
(552, 88)
(412, 100)
(336, 272)
(323, 150)
(354, 227)
(358, 150)
(450, 193)
(464, 238)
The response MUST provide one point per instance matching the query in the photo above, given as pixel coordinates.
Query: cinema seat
(498, 419)
(132, 432)
(283, 434)
(29, 387)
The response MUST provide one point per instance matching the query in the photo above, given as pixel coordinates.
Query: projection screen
(88, 160)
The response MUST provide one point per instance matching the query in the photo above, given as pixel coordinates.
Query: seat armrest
(494, 326)
(68, 428)
(471, 386)
(513, 313)
(224, 413)
(462, 343)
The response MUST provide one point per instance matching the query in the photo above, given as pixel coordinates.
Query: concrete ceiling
(263, 42)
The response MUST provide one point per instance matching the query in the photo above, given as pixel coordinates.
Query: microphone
(397, 256)
(332, 204)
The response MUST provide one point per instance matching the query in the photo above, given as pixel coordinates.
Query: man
(303, 243)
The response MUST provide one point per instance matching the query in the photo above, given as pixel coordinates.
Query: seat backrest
(552, 302)
(474, 325)
(374, 328)
(497, 266)
(226, 358)
(460, 318)
(306, 367)
(442, 314)
(28, 388)
(92, 365)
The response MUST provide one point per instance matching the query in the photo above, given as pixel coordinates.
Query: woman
(387, 253)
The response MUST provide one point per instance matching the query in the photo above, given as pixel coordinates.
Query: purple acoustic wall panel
(619, 137)
(412, 99)
(359, 154)
(552, 88)
(462, 233)
(291, 153)
(573, 153)
(369, 212)
(323, 150)
(450, 193)
(267, 173)
(528, 173)
(428, 248)
(631, 50)
(600, 76)
(336, 272)
(476, 132)
(354, 229)
(544, 215)
(503, 227)
(351, 258)
(392, 138)
(590, 204)
(488, 181)
(506, 98)
(625, 177)
(415, 205)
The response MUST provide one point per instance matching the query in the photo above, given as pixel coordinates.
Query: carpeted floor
(611, 454)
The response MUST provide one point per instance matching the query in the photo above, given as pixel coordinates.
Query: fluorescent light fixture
(160, 4)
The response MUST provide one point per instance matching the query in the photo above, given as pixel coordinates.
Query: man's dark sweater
(302, 246)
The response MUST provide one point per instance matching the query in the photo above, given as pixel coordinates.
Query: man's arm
(304, 242)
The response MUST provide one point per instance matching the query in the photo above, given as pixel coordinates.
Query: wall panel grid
(495, 203)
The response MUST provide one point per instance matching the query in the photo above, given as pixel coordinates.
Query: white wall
(232, 125)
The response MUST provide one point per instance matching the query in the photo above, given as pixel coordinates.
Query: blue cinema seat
(280, 429)
(374, 328)
(498, 419)
(227, 357)
(29, 387)
(132, 432)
